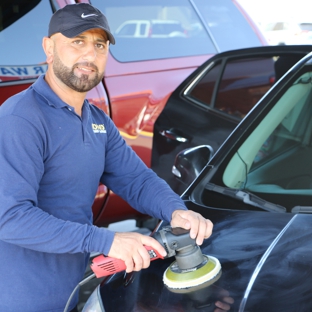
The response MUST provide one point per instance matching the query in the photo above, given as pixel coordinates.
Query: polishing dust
(176, 278)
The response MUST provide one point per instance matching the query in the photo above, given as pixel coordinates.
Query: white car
(150, 28)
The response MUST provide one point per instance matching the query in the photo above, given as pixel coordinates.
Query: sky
(272, 10)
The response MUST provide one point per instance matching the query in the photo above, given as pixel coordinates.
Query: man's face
(80, 62)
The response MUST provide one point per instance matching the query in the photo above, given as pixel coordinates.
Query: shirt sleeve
(22, 222)
(128, 176)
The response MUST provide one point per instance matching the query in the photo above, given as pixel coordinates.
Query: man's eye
(100, 46)
(78, 42)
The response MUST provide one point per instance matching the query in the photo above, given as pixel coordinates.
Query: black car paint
(267, 255)
(287, 268)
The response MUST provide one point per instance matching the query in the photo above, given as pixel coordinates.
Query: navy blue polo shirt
(52, 161)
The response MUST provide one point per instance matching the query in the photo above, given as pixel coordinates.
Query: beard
(67, 76)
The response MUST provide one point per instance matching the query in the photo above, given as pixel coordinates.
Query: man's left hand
(200, 227)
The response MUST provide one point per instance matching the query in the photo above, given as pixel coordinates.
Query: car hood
(266, 261)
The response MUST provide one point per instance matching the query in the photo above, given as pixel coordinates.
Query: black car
(257, 191)
(210, 103)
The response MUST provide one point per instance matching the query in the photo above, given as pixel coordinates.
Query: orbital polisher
(190, 269)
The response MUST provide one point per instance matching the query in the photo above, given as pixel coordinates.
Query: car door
(212, 101)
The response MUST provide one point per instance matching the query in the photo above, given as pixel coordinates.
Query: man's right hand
(129, 247)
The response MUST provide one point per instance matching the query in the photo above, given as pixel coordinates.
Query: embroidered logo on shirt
(98, 128)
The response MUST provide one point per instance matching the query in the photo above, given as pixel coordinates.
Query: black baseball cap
(74, 19)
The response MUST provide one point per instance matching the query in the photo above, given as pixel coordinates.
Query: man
(51, 163)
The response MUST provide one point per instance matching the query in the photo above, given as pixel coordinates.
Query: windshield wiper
(246, 197)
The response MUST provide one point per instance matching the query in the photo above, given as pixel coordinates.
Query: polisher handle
(105, 266)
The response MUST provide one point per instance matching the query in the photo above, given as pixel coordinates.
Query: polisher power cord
(105, 266)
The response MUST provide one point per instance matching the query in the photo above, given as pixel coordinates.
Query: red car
(144, 67)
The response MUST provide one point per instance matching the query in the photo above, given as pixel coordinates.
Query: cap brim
(75, 31)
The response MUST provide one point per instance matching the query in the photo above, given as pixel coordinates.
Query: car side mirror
(190, 162)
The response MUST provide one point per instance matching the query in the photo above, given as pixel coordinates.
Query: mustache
(86, 64)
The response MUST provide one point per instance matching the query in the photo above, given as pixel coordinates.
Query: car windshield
(274, 161)
(156, 29)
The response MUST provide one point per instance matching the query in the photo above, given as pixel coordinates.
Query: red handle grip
(104, 266)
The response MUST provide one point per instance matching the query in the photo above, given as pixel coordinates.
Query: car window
(201, 91)
(155, 29)
(242, 83)
(275, 158)
(227, 25)
(168, 29)
(23, 24)
(129, 29)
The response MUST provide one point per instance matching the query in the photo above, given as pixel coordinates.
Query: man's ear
(48, 47)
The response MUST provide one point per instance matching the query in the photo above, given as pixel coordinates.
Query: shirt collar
(42, 88)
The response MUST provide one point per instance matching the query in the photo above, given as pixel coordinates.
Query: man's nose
(89, 52)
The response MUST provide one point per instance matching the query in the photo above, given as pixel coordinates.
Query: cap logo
(84, 16)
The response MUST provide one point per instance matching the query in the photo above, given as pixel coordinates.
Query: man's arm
(22, 222)
(127, 175)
